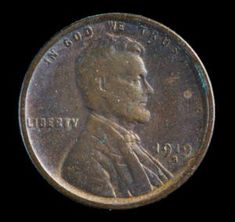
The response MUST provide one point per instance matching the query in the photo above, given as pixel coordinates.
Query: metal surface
(116, 111)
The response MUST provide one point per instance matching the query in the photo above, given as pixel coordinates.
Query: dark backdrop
(27, 26)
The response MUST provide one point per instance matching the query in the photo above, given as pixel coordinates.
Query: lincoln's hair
(97, 60)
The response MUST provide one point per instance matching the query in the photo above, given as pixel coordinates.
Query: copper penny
(116, 111)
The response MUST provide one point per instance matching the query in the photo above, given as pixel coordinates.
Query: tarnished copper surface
(116, 111)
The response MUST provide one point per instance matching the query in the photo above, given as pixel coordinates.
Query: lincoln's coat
(110, 161)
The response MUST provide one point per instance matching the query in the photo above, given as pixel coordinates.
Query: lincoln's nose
(148, 87)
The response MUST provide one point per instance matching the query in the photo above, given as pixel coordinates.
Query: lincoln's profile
(108, 158)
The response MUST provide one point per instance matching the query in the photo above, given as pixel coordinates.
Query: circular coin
(116, 111)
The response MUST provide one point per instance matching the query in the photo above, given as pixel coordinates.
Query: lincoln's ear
(102, 83)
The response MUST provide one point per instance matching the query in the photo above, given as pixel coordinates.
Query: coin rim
(124, 203)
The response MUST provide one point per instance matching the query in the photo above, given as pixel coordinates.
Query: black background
(27, 27)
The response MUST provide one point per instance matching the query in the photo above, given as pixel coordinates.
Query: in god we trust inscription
(116, 111)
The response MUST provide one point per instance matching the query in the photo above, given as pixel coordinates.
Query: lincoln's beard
(132, 113)
(140, 114)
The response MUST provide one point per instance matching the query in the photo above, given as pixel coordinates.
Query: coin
(116, 111)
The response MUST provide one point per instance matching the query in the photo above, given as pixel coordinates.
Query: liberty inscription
(52, 122)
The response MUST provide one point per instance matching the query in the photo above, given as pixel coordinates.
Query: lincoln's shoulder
(99, 141)
(97, 136)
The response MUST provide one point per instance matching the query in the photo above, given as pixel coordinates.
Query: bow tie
(131, 137)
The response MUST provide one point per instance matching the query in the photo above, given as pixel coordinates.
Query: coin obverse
(116, 111)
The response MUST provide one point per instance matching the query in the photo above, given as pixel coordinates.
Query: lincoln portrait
(108, 158)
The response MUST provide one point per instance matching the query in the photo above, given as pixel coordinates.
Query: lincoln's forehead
(140, 65)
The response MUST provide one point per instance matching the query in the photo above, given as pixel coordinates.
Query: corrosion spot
(187, 94)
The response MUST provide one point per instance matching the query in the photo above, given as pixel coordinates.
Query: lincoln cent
(116, 111)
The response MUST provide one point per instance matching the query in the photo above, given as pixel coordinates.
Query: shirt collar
(128, 135)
